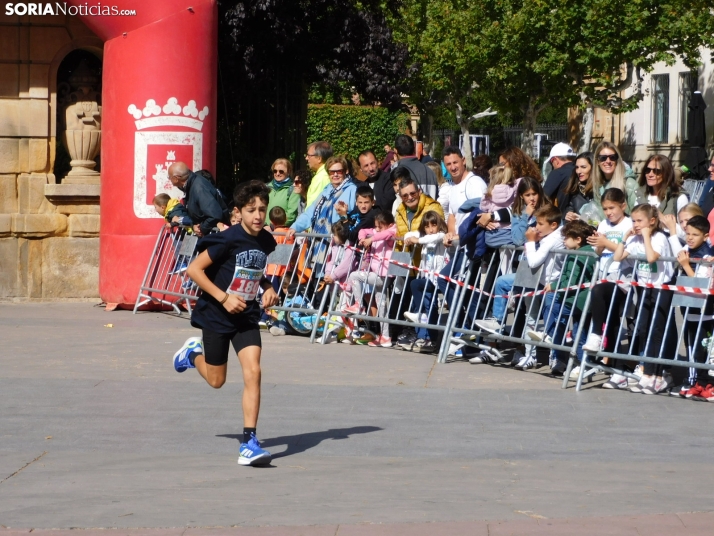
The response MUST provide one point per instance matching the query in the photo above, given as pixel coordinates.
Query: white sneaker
(480, 359)
(277, 331)
(593, 343)
(527, 362)
(661, 384)
(539, 336)
(412, 317)
(616, 381)
(490, 324)
(638, 372)
(646, 382)
(455, 349)
(575, 373)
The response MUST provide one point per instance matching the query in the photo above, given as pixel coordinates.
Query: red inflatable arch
(158, 106)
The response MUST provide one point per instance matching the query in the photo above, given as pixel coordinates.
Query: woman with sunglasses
(659, 188)
(282, 191)
(610, 172)
(321, 214)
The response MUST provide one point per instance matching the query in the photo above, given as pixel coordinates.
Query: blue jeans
(422, 301)
(556, 324)
(503, 286)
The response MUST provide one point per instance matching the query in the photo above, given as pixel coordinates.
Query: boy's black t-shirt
(230, 249)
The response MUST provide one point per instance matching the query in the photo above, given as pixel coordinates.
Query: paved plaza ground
(97, 431)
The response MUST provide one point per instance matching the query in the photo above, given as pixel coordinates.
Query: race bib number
(246, 283)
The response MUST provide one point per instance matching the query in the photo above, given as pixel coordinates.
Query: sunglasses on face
(606, 157)
(409, 195)
(656, 171)
(336, 172)
(278, 172)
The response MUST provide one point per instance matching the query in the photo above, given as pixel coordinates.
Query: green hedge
(353, 129)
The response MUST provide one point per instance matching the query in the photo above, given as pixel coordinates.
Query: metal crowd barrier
(301, 260)
(165, 281)
(392, 294)
(694, 189)
(533, 309)
(630, 312)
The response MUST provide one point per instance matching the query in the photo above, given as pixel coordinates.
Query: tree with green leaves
(522, 56)
(442, 39)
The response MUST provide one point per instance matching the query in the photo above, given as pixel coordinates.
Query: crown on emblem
(173, 114)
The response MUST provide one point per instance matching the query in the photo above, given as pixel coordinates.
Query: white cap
(561, 149)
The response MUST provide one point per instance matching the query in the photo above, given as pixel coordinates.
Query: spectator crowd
(582, 222)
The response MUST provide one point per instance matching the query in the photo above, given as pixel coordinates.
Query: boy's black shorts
(215, 345)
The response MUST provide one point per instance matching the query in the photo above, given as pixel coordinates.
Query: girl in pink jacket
(378, 244)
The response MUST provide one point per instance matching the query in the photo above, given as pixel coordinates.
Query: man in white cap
(562, 158)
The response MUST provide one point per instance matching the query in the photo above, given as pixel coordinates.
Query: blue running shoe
(181, 358)
(252, 454)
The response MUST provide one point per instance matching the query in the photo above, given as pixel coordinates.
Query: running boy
(229, 271)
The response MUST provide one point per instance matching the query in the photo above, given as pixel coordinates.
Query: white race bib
(246, 283)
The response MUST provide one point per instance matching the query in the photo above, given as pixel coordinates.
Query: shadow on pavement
(302, 442)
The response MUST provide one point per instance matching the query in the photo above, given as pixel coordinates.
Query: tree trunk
(466, 143)
(529, 126)
(586, 129)
(427, 133)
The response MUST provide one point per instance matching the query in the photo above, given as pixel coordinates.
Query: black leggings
(653, 308)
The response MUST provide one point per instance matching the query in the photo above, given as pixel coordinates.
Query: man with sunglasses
(562, 158)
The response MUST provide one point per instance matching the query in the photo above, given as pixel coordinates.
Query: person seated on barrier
(541, 240)
(560, 307)
(362, 215)
(653, 304)
(501, 193)
(378, 244)
(413, 205)
(698, 324)
(341, 261)
(434, 256)
(172, 210)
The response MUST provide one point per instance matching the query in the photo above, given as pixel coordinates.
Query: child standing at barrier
(229, 270)
(678, 229)
(362, 216)
(278, 217)
(172, 210)
(175, 213)
(540, 242)
(698, 324)
(646, 239)
(434, 256)
(611, 231)
(378, 244)
(339, 265)
(530, 197)
(560, 307)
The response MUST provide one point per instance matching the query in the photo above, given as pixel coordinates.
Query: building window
(688, 83)
(660, 108)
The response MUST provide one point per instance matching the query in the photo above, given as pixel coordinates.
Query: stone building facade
(659, 124)
(49, 224)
